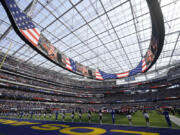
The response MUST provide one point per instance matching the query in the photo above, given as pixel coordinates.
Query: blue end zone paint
(82, 130)
(7, 129)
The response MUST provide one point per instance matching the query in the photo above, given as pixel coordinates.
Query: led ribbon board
(28, 32)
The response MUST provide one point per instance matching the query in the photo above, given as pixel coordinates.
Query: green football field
(177, 115)
(156, 119)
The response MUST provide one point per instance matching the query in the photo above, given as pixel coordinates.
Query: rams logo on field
(68, 130)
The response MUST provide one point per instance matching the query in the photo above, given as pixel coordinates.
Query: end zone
(37, 127)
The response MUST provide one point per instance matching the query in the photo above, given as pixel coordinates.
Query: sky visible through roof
(111, 35)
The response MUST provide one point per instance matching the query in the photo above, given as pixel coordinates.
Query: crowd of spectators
(86, 95)
(18, 105)
(43, 73)
(24, 95)
(154, 97)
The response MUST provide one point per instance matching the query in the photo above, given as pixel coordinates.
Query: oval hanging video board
(28, 32)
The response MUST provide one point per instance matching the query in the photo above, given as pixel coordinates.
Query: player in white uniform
(63, 116)
(146, 116)
(44, 116)
(100, 116)
(129, 116)
(72, 116)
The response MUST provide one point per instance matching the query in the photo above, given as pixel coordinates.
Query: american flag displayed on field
(70, 64)
(24, 23)
(98, 75)
(122, 75)
(107, 75)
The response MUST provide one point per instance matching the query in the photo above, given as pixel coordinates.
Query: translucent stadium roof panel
(111, 35)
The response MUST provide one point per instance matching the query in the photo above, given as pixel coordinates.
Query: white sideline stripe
(174, 119)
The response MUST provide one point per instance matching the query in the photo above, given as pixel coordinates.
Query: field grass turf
(156, 119)
(177, 115)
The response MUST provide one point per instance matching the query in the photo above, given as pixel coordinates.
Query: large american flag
(140, 68)
(107, 75)
(98, 75)
(24, 23)
(144, 66)
(122, 75)
(136, 70)
(70, 64)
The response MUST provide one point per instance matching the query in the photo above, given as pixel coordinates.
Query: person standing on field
(166, 115)
(146, 116)
(113, 116)
(129, 116)
(89, 116)
(100, 116)
(80, 115)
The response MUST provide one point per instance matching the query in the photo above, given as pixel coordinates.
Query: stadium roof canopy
(111, 35)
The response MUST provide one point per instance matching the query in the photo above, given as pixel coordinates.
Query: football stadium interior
(89, 67)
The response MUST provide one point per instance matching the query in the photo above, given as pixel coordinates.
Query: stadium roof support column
(116, 36)
(174, 48)
(31, 8)
(57, 19)
(96, 36)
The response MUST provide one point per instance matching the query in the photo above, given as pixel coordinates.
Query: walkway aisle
(175, 119)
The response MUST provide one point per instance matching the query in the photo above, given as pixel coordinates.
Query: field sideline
(156, 119)
(42, 127)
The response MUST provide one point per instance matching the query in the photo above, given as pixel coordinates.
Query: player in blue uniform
(113, 116)
(31, 115)
(80, 114)
(57, 115)
(166, 115)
